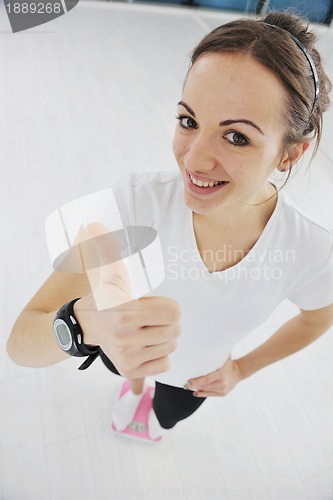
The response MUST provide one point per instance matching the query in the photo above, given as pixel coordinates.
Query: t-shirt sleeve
(318, 292)
(142, 197)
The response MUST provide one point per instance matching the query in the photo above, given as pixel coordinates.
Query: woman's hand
(218, 383)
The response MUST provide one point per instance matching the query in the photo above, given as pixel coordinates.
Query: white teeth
(205, 183)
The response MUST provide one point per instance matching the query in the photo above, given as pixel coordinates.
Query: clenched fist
(137, 335)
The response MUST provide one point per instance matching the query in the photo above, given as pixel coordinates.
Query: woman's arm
(293, 335)
(31, 342)
(137, 336)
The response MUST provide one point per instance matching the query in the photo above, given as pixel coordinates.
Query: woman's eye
(186, 122)
(236, 139)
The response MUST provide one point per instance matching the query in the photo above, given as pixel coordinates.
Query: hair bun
(294, 24)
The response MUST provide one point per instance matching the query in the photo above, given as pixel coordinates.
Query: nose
(201, 155)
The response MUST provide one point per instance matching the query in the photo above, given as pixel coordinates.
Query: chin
(197, 206)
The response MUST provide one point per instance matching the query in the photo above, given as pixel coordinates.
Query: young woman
(234, 246)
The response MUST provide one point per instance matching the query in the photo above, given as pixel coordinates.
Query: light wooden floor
(85, 99)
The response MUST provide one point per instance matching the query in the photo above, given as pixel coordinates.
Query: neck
(254, 211)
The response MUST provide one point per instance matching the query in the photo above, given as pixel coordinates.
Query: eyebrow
(186, 106)
(224, 122)
(241, 120)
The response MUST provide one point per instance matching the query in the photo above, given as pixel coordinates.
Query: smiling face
(230, 129)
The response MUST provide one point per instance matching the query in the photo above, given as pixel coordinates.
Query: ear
(292, 155)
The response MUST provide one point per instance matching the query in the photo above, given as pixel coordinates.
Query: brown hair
(276, 50)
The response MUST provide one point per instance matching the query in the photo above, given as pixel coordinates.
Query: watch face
(62, 334)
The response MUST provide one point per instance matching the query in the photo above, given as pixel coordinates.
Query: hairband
(310, 60)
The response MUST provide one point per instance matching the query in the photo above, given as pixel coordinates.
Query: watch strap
(89, 360)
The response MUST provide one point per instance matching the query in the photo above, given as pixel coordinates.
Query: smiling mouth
(205, 184)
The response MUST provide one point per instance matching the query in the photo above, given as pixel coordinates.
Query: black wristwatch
(69, 335)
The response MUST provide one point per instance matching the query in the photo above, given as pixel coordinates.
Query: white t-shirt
(292, 259)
